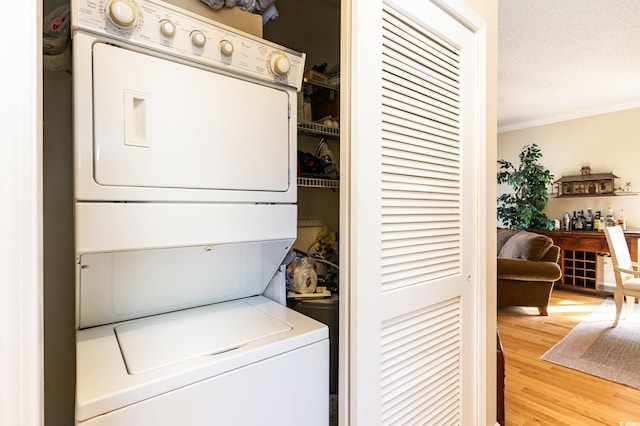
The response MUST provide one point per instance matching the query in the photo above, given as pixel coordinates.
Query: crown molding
(570, 116)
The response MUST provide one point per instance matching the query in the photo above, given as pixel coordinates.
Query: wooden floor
(540, 393)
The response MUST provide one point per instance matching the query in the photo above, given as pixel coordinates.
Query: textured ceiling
(564, 59)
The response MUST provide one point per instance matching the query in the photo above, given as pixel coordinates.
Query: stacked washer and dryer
(184, 188)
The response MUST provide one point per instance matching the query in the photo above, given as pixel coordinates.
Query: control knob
(280, 65)
(198, 38)
(226, 47)
(167, 28)
(122, 13)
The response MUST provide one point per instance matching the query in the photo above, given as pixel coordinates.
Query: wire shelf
(318, 129)
(318, 183)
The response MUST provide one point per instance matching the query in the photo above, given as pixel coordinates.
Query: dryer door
(162, 124)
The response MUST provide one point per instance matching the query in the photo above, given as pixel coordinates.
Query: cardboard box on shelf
(325, 102)
(239, 19)
(316, 76)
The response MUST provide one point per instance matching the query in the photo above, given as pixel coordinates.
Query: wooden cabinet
(579, 256)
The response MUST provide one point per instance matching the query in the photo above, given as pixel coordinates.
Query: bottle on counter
(574, 221)
(566, 222)
(622, 220)
(580, 221)
(610, 220)
(596, 222)
(588, 220)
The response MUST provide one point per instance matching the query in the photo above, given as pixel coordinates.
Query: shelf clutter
(319, 115)
(56, 40)
(319, 169)
(319, 102)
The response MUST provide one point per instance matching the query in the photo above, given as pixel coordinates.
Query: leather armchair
(527, 269)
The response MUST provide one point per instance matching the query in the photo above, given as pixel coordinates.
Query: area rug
(593, 347)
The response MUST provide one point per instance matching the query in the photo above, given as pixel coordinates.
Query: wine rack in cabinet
(579, 269)
(579, 252)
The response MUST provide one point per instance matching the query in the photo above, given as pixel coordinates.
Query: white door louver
(421, 187)
(421, 367)
(421, 154)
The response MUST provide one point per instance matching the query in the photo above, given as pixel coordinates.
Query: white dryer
(184, 185)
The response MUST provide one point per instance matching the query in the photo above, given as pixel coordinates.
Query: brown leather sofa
(527, 268)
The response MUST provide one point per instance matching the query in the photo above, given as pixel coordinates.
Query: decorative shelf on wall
(318, 183)
(588, 185)
(612, 194)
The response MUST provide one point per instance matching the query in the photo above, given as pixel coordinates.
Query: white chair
(625, 271)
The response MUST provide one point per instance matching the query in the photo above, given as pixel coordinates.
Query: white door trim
(21, 359)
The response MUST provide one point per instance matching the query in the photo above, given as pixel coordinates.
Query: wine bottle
(622, 220)
(580, 221)
(588, 222)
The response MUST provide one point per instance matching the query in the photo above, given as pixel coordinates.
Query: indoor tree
(524, 207)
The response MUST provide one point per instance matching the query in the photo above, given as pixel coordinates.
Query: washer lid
(158, 341)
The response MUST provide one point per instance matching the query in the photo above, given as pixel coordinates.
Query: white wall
(607, 143)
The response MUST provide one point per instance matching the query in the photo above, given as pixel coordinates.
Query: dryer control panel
(163, 27)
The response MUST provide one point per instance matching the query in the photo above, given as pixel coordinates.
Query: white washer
(184, 185)
(245, 362)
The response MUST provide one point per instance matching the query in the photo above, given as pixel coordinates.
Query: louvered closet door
(412, 203)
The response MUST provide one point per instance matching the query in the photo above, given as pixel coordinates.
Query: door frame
(21, 258)
(485, 332)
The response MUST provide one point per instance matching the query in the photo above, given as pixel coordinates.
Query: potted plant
(524, 207)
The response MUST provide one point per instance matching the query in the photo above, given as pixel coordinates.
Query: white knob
(198, 38)
(122, 13)
(226, 47)
(167, 28)
(280, 65)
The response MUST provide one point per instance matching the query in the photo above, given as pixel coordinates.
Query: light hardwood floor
(540, 393)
